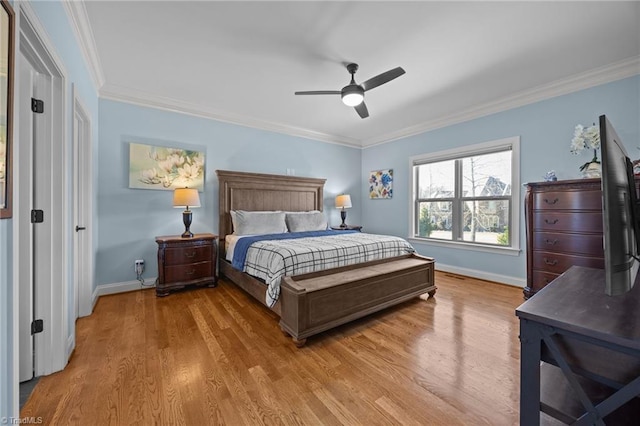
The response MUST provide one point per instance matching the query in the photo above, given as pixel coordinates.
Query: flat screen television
(621, 230)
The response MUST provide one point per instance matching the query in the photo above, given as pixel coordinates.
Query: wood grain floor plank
(215, 356)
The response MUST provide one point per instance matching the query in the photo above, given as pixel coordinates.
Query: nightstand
(186, 261)
(347, 228)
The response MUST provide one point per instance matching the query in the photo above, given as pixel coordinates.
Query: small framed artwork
(159, 167)
(381, 184)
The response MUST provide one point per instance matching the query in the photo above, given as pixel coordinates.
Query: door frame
(51, 297)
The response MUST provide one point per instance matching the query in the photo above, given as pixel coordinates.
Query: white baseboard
(483, 275)
(71, 345)
(94, 298)
(104, 289)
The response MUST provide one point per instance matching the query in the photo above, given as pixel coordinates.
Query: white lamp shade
(186, 197)
(343, 201)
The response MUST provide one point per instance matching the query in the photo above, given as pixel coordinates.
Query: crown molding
(79, 20)
(606, 74)
(131, 96)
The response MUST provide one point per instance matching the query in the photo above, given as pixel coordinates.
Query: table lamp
(343, 202)
(186, 197)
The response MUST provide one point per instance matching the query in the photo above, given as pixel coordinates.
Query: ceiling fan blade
(320, 92)
(362, 110)
(383, 78)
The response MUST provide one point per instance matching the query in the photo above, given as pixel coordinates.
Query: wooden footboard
(315, 302)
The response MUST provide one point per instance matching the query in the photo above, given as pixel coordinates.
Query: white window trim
(469, 150)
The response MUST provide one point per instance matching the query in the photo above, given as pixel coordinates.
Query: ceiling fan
(353, 94)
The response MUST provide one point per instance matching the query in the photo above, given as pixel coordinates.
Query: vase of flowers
(587, 138)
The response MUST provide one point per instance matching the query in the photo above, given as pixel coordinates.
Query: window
(468, 196)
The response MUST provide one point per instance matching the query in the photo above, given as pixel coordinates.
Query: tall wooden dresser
(564, 228)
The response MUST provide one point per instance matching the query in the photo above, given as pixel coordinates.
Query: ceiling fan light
(352, 95)
(352, 99)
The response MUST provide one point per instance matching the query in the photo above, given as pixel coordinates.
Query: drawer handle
(551, 242)
(550, 262)
(191, 272)
(546, 200)
(190, 256)
(551, 222)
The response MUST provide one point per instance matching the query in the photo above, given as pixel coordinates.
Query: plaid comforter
(270, 260)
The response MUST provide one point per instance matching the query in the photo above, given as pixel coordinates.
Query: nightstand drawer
(187, 255)
(189, 272)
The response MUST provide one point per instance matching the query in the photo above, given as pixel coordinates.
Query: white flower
(577, 145)
(189, 172)
(584, 138)
(149, 176)
(592, 135)
(578, 130)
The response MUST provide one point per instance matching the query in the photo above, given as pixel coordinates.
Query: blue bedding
(242, 245)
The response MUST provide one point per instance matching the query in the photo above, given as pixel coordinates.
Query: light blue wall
(545, 129)
(130, 219)
(53, 19)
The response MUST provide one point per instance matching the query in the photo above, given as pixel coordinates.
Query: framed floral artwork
(381, 184)
(158, 167)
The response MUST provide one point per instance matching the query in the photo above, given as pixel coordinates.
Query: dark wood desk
(590, 347)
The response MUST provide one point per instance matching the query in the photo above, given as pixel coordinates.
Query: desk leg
(530, 343)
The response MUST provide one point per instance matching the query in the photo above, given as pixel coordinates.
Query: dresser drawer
(189, 272)
(557, 242)
(541, 279)
(569, 222)
(568, 200)
(186, 255)
(557, 263)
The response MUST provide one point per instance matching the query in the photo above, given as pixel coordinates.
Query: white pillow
(306, 221)
(257, 223)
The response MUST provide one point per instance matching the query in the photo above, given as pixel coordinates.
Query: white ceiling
(242, 61)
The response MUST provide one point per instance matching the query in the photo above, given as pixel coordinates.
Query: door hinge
(37, 106)
(37, 216)
(37, 326)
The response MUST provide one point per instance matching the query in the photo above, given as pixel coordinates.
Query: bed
(313, 302)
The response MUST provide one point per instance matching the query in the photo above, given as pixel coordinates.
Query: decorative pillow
(257, 223)
(306, 221)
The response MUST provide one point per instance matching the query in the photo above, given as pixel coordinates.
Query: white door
(28, 81)
(82, 206)
(41, 252)
(25, 90)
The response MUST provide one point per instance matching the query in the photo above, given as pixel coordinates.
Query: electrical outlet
(139, 267)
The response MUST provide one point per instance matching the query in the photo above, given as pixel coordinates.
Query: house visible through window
(467, 195)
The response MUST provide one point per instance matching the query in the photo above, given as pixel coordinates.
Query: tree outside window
(465, 198)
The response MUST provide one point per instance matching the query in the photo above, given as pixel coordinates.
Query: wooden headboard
(261, 192)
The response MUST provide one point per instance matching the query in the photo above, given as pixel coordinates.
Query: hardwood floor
(215, 356)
